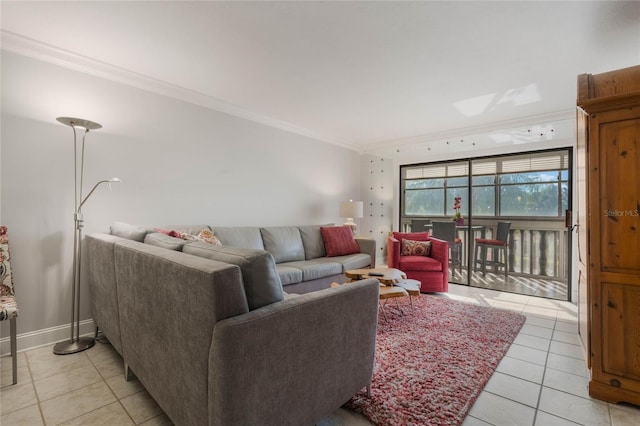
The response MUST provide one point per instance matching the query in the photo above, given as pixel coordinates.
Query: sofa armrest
(440, 251)
(294, 361)
(368, 246)
(393, 252)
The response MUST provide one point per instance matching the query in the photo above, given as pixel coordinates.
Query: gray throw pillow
(262, 283)
(130, 232)
(165, 241)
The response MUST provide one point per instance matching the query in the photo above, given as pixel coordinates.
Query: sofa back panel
(129, 232)
(262, 283)
(169, 304)
(283, 242)
(245, 237)
(295, 333)
(101, 278)
(312, 241)
(165, 241)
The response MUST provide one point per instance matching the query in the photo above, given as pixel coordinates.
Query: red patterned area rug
(431, 365)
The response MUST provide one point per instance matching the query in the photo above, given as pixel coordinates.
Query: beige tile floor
(541, 381)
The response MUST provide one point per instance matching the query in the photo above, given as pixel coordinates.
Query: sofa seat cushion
(317, 268)
(262, 283)
(419, 263)
(289, 274)
(283, 242)
(241, 236)
(353, 261)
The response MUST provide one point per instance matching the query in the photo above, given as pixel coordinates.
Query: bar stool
(499, 247)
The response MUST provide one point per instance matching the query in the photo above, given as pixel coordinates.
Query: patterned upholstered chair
(432, 270)
(8, 305)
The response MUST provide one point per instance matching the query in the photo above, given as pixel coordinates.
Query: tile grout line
(109, 387)
(544, 372)
(35, 391)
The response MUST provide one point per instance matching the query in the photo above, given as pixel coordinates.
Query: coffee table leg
(381, 305)
(399, 308)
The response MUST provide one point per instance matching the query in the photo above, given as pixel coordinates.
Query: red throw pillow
(339, 241)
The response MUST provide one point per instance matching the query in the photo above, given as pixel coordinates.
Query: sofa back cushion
(312, 241)
(245, 237)
(129, 232)
(159, 239)
(339, 241)
(283, 242)
(262, 283)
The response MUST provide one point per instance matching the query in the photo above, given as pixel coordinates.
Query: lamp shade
(351, 209)
(79, 122)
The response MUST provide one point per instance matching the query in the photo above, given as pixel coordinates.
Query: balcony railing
(537, 248)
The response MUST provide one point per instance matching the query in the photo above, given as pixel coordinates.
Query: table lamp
(351, 210)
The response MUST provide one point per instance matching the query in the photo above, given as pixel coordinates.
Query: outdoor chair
(8, 305)
(500, 251)
(419, 225)
(447, 231)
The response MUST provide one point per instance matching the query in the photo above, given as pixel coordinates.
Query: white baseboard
(46, 336)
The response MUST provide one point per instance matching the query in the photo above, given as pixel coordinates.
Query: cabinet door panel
(620, 194)
(621, 330)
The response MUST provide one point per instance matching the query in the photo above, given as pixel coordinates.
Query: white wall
(181, 164)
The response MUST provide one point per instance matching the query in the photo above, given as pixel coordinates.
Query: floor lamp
(77, 343)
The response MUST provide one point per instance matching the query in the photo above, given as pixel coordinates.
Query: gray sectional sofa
(213, 337)
(298, 251)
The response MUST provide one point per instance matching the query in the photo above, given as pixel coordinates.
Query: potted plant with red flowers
(457, 217)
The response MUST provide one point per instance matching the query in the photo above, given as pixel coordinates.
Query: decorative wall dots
(379, 201)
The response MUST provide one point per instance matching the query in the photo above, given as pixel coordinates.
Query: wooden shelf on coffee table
(389, 276)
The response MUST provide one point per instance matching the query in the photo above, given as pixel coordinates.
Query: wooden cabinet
(608, 219)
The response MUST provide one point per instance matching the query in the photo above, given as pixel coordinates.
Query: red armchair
(432, 271)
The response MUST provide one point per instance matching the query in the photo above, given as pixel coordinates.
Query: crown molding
(25, 46)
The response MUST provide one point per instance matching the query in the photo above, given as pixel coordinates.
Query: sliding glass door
(430, 192)
(529, 191)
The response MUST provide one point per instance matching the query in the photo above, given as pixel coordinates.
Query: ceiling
(372, 76)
